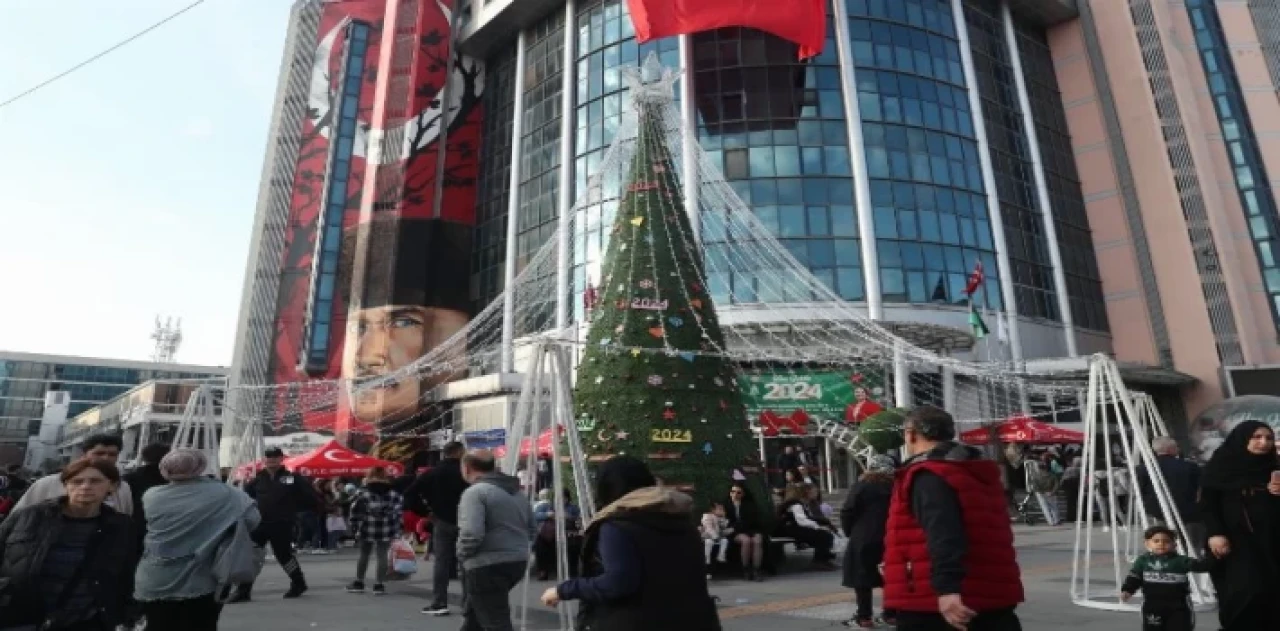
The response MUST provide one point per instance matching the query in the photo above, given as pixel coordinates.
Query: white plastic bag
(335, 523)
(403, 559)
(840, 543)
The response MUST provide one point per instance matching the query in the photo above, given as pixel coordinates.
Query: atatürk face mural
(423, 213)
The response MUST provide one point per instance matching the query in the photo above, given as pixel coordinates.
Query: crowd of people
(90, 548)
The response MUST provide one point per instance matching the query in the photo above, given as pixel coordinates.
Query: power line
(43, 84)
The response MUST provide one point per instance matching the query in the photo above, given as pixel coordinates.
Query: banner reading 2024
(849, 396)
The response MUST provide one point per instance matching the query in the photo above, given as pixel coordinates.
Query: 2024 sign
(670, 435)
(797, 391)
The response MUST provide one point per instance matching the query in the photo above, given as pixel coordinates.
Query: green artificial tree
(653, 382)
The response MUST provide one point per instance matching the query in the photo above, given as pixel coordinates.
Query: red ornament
(669, 415)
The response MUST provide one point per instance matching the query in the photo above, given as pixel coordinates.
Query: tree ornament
(676, 321)
(669, 415)
(621, 435)
(697, 304)
(637, 221)
(600, 379)
(646, 284)
(655, 380)
(706, 448)
(656, 332)
(635, 352)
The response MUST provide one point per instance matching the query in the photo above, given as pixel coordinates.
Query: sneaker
(860, 623)
(886, 620)
(379, 589)
(436, 610)
(296, 590)
(356, 587)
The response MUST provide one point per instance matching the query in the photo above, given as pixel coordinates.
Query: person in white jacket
(100, 448)
(715, 530)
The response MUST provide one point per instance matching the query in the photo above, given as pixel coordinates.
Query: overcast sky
(127, 189)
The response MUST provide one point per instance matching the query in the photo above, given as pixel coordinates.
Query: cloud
(198, 127)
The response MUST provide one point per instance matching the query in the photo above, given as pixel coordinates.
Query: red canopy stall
(544, 445)
(1023, 429)
(332, 460)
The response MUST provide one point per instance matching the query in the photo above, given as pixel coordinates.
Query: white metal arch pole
(858, 160)
(513, 214)
(1042, 187)
(689, 138)
(994, 214)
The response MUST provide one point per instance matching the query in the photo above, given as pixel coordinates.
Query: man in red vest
(949, 560)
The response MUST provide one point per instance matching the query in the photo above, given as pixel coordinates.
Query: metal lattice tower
(168, 337)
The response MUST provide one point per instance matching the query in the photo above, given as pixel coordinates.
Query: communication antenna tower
(168, 337)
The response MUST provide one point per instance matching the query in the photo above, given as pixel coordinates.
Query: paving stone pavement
(795, 601)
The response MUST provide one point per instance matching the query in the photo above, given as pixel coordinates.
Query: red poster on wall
(422, 216)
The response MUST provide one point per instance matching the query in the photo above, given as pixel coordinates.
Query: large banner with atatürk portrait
(383, 200)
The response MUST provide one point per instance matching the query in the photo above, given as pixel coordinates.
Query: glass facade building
(26, 378)
(778, 129)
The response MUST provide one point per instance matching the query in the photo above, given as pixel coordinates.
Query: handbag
(235, 559)
(335, 523)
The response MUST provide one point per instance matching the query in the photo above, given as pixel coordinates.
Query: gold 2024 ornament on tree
(654, 383)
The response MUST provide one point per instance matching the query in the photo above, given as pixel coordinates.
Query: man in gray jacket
(495, 533)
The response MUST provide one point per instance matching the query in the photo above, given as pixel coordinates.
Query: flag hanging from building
(975, 280)
(803, 22)
(979, 327)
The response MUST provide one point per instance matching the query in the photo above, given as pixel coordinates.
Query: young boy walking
(1161, 574)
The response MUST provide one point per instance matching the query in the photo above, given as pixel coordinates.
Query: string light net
(784, 353)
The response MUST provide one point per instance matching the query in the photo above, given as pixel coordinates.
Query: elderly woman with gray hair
(185, 520)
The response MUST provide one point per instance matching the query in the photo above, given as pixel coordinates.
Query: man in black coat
(1183, 479)
(281, 495)
(143, 478)
(438, 492)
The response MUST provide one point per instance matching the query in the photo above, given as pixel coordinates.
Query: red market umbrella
(335, 461)
(1022, 429)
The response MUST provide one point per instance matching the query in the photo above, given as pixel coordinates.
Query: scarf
(1233, 467)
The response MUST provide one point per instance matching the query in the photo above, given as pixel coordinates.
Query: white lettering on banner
(798, 391)
(649, 304)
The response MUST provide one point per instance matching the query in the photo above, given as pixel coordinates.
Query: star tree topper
(651, 82)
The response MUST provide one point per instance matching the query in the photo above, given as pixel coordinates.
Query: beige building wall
(1226, 217)
(1186, 311)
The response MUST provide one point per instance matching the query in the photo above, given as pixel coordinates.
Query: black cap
(413, 262)
(273, 452)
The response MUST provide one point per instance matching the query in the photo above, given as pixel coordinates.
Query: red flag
(975, 279)
(803, 22)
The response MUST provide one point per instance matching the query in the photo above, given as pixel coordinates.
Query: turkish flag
(803, 21)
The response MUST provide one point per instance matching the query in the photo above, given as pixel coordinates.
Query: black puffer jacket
(25, 539)
(282, 496)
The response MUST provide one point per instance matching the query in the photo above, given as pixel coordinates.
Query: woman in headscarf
(186, 520)
(642, 565)
(1240, 504)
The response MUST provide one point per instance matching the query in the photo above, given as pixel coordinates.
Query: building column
(901, 376)
(689, 177)
(948, 388)
(994, 214)
(1042, 187)
(858, 160)
(513, 211)
(564, 203)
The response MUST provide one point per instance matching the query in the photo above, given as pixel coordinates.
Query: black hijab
(620, 475)
(1234, 467)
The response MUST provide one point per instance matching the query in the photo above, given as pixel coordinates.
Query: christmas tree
(654, 382)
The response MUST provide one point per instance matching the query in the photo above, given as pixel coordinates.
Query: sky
(128, 189)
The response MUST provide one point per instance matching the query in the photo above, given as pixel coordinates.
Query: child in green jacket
(1161, 574)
